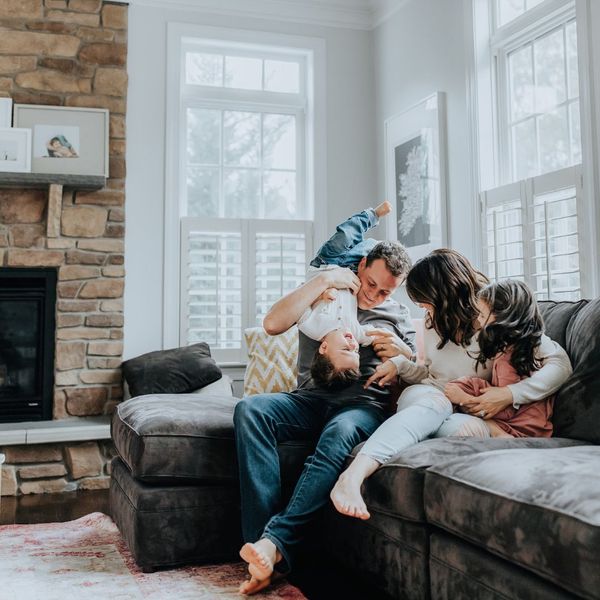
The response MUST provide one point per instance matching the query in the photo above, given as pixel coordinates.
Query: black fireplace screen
(27, 326)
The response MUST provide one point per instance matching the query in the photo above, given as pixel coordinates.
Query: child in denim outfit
(332, 319)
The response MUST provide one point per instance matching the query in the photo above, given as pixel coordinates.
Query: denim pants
(263, 421)
(347, 246)
(422, 409)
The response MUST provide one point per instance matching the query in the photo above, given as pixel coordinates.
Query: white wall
(351, 166)
(418, 51)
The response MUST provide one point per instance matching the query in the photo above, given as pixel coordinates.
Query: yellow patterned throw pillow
(272, 361)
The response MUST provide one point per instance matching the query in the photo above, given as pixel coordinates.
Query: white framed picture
(66, 141)
(15, 150)
(415, 176)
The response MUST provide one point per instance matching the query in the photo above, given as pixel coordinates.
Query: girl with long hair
(511, 332)
(446, 285)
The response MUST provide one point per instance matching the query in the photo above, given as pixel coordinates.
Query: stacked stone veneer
(70, 53)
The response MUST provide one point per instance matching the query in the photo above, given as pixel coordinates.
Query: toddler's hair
(518, 325)
(325, 375)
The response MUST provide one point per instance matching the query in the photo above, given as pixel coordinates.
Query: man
(340, 420)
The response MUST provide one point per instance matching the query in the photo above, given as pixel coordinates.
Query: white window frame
(483, 113)
(526, 191)
(312, 157)
(248, 229)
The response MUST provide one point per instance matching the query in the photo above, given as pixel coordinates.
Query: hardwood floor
(317, 579)
(52, 508)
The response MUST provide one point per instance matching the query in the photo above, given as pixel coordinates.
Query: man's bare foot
(347, 499)
(254, 585)
(383, 209)
(261, 557)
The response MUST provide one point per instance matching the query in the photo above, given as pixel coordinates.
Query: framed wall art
(415, 175)
(66, 141)
(15, 150)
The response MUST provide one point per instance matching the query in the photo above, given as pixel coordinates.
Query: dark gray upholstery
(539, 509)
(460, 571)
(576, 326)
(173, 371)
(170, 438)
(397, 487)
(172, 525)
(451, 518)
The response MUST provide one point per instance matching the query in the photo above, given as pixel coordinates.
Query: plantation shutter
(532, 232)
(233, 271)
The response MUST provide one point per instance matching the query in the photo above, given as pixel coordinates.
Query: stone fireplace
(69, 53)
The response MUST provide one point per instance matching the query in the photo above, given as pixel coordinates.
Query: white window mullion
(248, 280)
(526, 194)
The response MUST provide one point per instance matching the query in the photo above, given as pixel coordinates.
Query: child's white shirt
(326, 316)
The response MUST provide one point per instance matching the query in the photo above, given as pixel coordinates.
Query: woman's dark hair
(325, 375)
(517, 325)
(449, 282)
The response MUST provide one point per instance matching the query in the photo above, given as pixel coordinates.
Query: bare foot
(261, 558)
(347, 499)
(254, 585)
(383, 209)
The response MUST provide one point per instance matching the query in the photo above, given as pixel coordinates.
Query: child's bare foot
(347, 499)
(261, 558)
(383, 209)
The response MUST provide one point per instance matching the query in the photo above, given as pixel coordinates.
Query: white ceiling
(355, 14)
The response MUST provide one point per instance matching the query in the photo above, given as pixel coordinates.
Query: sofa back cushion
(576, 327)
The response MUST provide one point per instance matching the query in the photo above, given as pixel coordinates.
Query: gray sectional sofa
(451, 518)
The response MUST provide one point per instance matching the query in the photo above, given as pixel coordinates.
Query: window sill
(66, 430)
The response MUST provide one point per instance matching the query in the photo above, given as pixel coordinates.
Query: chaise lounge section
(451, 518)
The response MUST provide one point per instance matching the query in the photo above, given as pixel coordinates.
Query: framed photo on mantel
(65, 140)
(415, 176)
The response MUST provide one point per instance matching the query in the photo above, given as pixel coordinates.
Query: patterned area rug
(87, 559)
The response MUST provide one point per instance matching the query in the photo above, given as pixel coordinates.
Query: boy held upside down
(332, 319)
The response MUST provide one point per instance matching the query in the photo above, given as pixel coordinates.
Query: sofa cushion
(170, 438)
(538, 508)
(272, 361)
(397, 487)
(174, 371)
(575, 326)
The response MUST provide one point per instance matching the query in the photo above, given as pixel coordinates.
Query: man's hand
(387, 344)
(329, 295)
(342, 279)
(384, 373)
(490, 403)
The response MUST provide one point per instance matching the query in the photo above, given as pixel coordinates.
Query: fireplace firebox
(27, 331)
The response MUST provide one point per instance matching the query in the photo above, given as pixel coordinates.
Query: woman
(446, 285)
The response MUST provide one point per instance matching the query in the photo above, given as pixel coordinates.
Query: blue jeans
(263, 421)
(347, 246)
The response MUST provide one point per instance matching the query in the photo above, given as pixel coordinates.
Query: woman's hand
(490, 403)
(384, 373)
(387, 344)
(329, 295)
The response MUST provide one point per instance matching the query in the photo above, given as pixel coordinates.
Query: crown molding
(351, 14)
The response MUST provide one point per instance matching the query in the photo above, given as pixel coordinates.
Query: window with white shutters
(233, 270)
(245, 118)
(532, 210)
(532, 233)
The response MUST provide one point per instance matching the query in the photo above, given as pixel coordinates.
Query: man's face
(376, 283)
